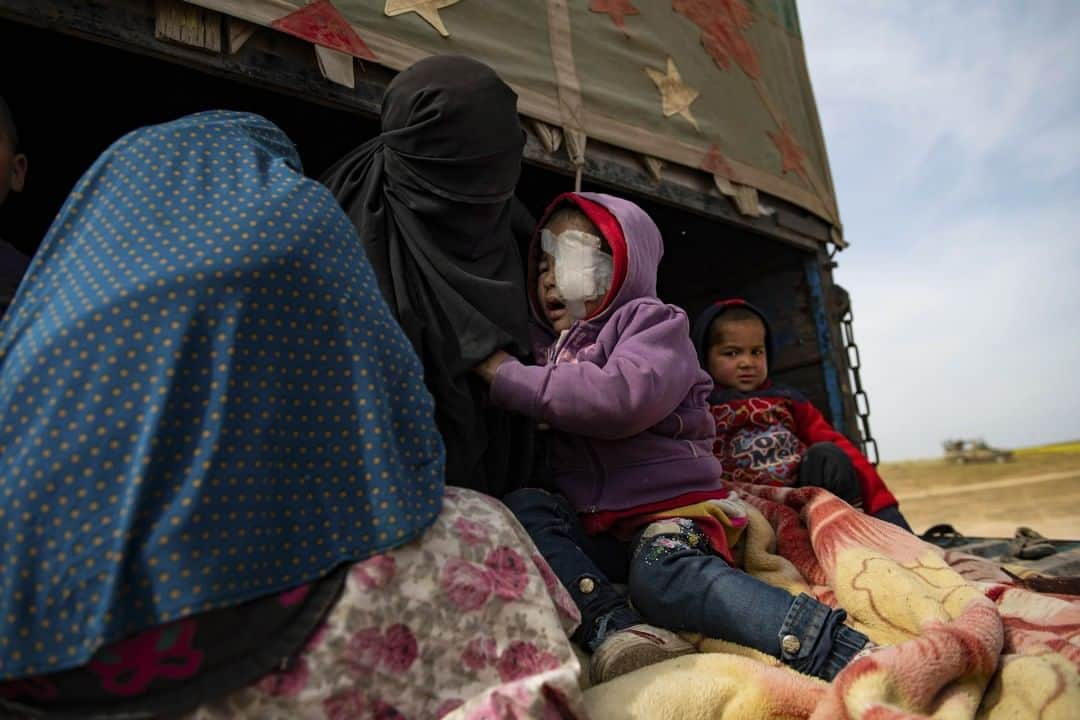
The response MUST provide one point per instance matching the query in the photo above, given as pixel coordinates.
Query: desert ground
(1039, 488)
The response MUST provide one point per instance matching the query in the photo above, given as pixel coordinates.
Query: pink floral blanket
(468, 622)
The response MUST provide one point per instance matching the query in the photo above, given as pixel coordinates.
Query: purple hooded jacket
(622, 391)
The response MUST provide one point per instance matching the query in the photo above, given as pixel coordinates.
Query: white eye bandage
(582, 270)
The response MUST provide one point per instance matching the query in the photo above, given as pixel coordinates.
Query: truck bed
(1064, 562)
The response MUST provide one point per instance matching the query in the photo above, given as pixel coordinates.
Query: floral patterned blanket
(468, 622)
(962, 638)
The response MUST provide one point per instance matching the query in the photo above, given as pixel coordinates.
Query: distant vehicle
(965, 451)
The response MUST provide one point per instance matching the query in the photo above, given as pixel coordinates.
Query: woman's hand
(486, 369)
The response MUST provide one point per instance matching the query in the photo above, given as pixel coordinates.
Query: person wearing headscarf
(12, 178)
(432, 198)
(222, 482)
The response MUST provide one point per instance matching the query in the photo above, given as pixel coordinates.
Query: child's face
(546, 293)
(737, 354)
(12, 168)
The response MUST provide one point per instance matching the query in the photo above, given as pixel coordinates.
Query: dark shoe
(1030, 545)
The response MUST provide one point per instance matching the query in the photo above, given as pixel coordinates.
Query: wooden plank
(186, 24)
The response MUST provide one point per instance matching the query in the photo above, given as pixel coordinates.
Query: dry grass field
(1040, 488)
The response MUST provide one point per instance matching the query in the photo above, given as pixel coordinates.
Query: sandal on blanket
(942, 531)
(1030, 545)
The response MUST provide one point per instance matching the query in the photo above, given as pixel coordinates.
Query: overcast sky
(953, 130)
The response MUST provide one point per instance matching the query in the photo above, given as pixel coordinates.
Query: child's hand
(486, 369)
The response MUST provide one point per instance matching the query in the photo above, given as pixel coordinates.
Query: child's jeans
(827, 466)
(586, 564)
(677, 582)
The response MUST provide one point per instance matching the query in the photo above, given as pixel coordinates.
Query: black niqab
(432, 198)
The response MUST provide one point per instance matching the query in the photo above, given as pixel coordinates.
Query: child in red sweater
(768, 433)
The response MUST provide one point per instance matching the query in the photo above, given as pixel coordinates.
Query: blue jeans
(677, 582)
(587, 565)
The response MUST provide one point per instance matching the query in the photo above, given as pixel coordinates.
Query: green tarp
(716, 85)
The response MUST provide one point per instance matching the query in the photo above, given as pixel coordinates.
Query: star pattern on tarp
(675, 95)
(321, 23)
(617, 10)
(791, 153)
(427, 9)
(722, 24)
(716, 162)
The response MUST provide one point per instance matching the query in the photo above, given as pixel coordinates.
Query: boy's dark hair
(733, 314)
(7, 125)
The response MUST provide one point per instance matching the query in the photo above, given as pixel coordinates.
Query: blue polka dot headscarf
(203, 396)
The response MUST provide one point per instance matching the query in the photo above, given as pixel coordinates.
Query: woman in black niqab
(432, 198)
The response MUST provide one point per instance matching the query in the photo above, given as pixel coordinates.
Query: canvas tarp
(716, 85)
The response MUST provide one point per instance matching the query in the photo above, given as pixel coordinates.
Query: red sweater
(761, 437)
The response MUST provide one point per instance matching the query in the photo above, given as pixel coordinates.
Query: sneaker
(635, 647)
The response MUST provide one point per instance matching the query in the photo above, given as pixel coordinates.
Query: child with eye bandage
(630, 451)
(580, 264)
